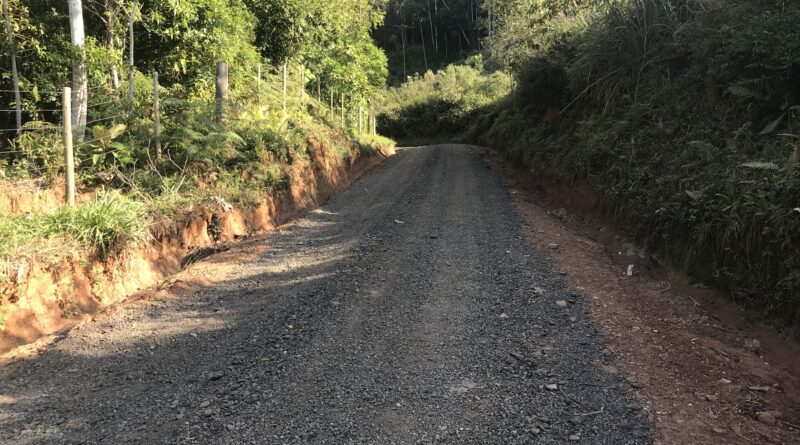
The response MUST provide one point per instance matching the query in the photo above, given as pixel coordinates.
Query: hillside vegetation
(684, 114)
(301, 75)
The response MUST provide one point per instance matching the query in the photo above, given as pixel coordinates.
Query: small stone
(503, 315)
(553, 246)
(551, 387)
(215, 376)
(562, 303)
(768, 417)
(205, 404)
(637, 385)
(208, 412)
(724, 381)
(753, 345)
(574, 437)
(717, 430)
(630, 270)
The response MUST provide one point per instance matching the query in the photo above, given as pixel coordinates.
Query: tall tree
(80, 86)
(14, 74)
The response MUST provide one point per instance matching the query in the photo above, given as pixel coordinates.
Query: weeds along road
(409, 309)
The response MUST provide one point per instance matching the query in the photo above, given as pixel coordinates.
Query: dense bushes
(685, 116)
(440, 103)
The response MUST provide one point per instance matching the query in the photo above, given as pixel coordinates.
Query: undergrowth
(108, 220)
(241, 160)
(685, 116)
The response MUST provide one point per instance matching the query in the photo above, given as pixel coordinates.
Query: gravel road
(409, 309)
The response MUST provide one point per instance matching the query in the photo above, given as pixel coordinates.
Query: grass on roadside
(104, 223)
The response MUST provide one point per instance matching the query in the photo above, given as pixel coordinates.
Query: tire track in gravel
(388, 316)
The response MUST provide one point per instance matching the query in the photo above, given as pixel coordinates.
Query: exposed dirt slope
(409, 309)
(42, 295)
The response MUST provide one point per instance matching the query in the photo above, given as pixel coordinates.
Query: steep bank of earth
(42, 294)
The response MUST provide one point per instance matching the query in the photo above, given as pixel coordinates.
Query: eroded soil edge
(43, 299)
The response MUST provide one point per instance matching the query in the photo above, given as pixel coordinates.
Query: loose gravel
(409, 309)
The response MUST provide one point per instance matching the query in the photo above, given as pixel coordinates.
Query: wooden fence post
(258, 86)
(283, 100)
(302, 84)
(156, 116)
(69, 160)
(221, 95)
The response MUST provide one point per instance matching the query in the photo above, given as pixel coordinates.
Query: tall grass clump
(110, 220)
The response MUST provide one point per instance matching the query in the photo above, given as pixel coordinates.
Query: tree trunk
(422, 41)
(80, 87)
(14, 75)
(131, 18)
(403, 39)
(430, 21)
(111, 21)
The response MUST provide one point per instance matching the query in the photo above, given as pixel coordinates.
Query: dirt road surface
(409, 309)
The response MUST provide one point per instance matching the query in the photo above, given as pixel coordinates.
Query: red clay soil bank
(39, 299)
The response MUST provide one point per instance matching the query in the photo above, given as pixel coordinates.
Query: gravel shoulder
(706, 371)
(408, 309)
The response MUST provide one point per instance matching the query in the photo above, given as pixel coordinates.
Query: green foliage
(109, 220)
(438, 104)
(41, 146)
(683, 114)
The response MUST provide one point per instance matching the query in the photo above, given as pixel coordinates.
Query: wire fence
(271, 92)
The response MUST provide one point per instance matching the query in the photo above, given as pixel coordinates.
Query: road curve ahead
(409, 309)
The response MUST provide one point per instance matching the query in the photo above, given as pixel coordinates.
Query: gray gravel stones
(377, 319)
